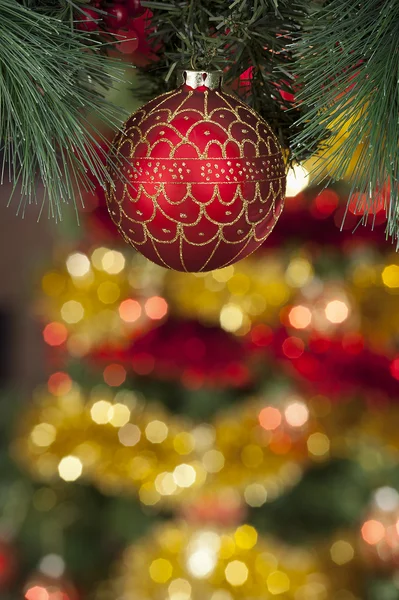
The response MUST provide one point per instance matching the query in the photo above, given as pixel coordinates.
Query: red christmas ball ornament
(87, 19)
(204, 178)
(135, 8)
(117, 16)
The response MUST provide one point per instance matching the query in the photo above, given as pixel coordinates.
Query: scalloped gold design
(204, 180)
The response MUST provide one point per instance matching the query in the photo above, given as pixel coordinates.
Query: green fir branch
(51, 77)
(347, 61)
(232, 36)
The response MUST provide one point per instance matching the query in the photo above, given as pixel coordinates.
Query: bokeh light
(293, 347)
(299, 272)
(318, 444)
(231, 317)
(297, 180)
(192, 562)
(156, 307)
(342, 552)
(129, 434)
(156, 432)
(37, 592)
(184, 475)
(236, 573)
(101, 412)
(43, 435)
(114, 375)
(278, 583)
(129, 310)
(52, 565)
(113, 262)
(72, 311)
(300, 317)
(296, 413)
(390, 276)
(78, 264)
(59, 383)
(373, 531)
(337, 311)
(161, 570)
(386, 498)
(70, 468)
(55, 334)
(270, 418)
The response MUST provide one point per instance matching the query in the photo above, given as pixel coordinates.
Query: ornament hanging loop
(195, 79)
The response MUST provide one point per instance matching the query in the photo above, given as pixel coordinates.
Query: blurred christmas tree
(224, 435)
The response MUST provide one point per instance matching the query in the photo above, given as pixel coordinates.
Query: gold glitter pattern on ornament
(223, 166)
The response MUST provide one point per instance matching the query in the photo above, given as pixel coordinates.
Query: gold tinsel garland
(99, 297)
(124, 444)
(114, 439)
(103, 296)
(180, 561)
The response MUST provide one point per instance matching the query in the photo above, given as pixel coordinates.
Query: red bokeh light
(373, 532)
(360, 203)
(395, 368)
(293, 347)
(127, 41)
(55, 334)
(129, 310)
(59, 383)
(156, 307)
(261, 335)
(114, 375)
(270, 418)
(280, 443)
(325, 204)
(37, 592)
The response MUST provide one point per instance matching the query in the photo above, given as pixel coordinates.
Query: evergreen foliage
(245, 39)
(51, 76)
(347, 62)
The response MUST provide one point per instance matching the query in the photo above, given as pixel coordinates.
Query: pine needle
(347, 61)
(237, 37)
(51, 75)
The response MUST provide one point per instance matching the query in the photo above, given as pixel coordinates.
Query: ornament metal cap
(195, 79)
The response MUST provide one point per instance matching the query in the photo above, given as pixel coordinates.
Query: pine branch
(51, 75)
(236, 36)
(348, 64)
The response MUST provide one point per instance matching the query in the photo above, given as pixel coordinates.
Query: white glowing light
(386, 498)
(52, 565)
(184, 475)
(296, 414)
(336, 311)
(70, 468)
(113, 262)
(203, 554)
(297, 181)
(201, 563)
(78, 264)
(231, 317)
